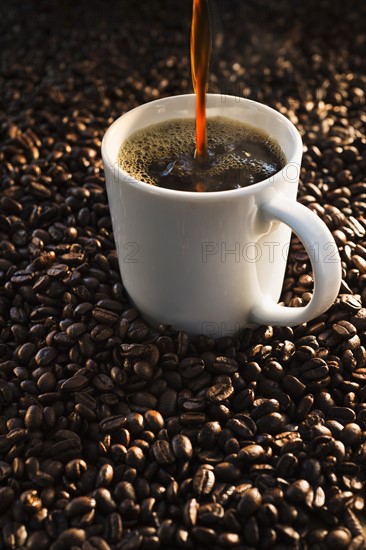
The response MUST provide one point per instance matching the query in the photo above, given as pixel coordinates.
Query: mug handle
(324, 257)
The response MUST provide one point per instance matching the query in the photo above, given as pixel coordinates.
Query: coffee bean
(224, 365)
(14, 535)
(104, 316)
(338, 538)
(138, 331)
(352, 522)
(226, 471)
(271, 423)
(250, 502)
(14, 436)
(304, 406)
(66, 450)
(166, 532)
(322, 446)
(75, 383)
(228, 540)
(210, 513)
(223, 492)
(242, 425)
(144, 400)
(134, 350)
(251, 532)
(75, 468)
(204, 480)
(286, 465)
(134, 423)
(154, 420)
(57, 270)
(298, 491)
(273, 370)
(135, 458)
(359, 319)
(124, 490)
(194, 404)
(190, 512)
(350, 434)
(79, 506)
(314, 369)
(162, 452)
(182, 447)
(191, 367)
(192, 419)
(46, 382)
(261, 407)
(351, 302)
(344, 329)
(33, 417)
(68, 538)
(114, 527)
(357, 543)
(105, 476)
(343, 414)
(251, 453)
(38, 540)
(293, 385)
(131, 541)
(103, 383)
(112, 424)
(204, 535)
(288, 535)
(30, 501)
(219, 392)
(104, 500)
(143, 370)
(207, 435)
(167, 402)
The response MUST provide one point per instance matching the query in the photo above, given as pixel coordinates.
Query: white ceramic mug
(215, 262)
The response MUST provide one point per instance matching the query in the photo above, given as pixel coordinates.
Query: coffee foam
(173, 142)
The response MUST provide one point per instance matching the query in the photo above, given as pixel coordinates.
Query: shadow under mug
(214, 263)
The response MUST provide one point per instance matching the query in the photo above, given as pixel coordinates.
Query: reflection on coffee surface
(238, 155)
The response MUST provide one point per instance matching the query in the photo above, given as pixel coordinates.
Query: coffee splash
(200, 50)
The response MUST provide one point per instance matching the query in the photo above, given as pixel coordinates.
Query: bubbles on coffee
(164, 155)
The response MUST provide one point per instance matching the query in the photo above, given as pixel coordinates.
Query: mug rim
(121, 176)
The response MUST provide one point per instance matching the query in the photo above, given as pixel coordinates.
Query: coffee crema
(238, 155)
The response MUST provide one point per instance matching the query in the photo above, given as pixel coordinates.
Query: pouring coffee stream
(200, 51)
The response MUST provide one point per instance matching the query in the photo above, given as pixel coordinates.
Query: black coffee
(164, 155)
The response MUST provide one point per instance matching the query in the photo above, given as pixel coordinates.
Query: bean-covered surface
(114, 435)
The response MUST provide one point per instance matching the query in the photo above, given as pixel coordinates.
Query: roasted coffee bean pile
(114, 435)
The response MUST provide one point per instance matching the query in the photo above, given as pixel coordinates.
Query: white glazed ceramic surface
(215, 262)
